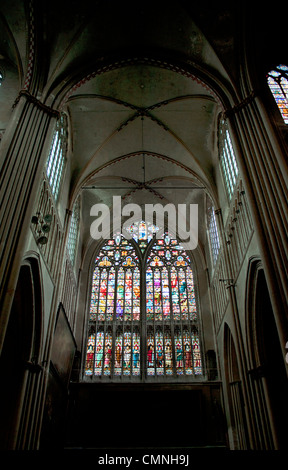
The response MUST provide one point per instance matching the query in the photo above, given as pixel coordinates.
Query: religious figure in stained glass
(145, 331)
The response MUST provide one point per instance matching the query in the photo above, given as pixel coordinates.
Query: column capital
(34, 100)
(242, 104)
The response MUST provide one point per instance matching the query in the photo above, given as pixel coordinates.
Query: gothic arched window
(56, 159)
(227, 158)
(278, 83)
(73, 231)
(213, 235)
(143, 318)
(173, 344)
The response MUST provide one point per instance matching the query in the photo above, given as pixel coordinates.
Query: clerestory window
(143, 315)
(56, 159)
(278, 83)
(227, 158)
(213, 235)
(73, 231)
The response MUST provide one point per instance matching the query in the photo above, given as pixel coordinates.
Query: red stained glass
(278, 83)
(168, 327)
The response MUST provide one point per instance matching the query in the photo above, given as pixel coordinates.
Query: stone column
(264, 167)
(239, 342)
(21, 162)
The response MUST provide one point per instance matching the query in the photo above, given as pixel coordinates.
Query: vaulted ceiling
(141, 84)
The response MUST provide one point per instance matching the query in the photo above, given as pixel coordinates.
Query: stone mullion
(22, 160)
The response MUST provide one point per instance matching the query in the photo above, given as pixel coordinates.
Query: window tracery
(143, 318)
(277, 80)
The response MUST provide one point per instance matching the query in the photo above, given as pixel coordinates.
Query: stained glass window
(142, 233)
(150, 331)
(56, 159)
(73, 231)
(278, 83)
(228, 162)
(171, 312)
(213, 235)
(114, 315)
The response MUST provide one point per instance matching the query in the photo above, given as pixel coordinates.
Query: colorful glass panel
(171, 300)
(136, 352)
(196, 354)
(110, 295)
(99, 352)
(108, 352)
(165, 294)
(159, 352)
(102, 296)
(90, 355)
(94, 294)
(175, 294)
(191, 294)
(128, 295)
(127, 353)
(142, 232)
(120, 294)
(116, 326)
(115, 296)
(136, 294)
(150, 353)
(168, 351)
(118, 352)
(149, 294)
(178, 352)
(157, 295)
(278, 83)
(188, 366)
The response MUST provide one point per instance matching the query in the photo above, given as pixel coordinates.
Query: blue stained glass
(277, 80)
(117, 328)
(170, 299)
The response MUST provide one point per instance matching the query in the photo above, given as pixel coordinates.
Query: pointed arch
(238, 422)
(267, 372)
(114, 313)
(143, 316)
(21, 360)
